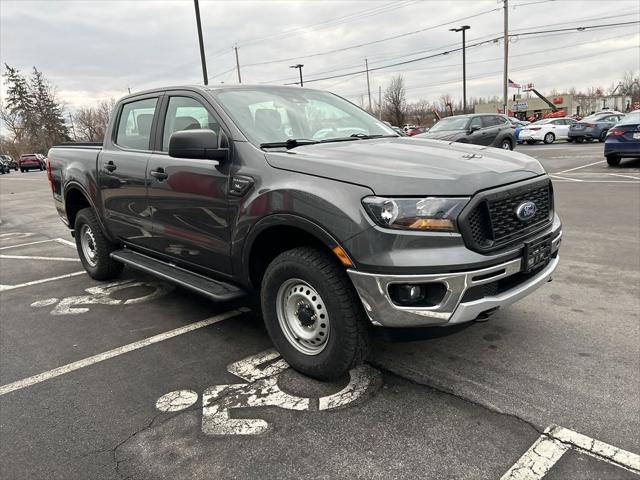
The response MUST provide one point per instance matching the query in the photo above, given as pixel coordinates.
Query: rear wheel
(579, 139)
(613, 160)
(313, 314)
(506, 144)
(549, 138)
(94, 248)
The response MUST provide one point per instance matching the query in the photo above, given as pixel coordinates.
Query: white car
(547, 130)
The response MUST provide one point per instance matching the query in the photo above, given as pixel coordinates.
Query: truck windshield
(278, 115)
(450, 123)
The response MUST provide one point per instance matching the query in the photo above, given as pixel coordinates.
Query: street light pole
(463, 29)
(299, 67)
(202, 59)
(505, 79)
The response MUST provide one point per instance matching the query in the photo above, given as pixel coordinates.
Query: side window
(490, 121)
(476, 122)
(185, 113)
(134, 127)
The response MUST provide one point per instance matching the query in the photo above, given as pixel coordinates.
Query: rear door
(188, 197)
(492, 127)
(122, 167)
(560, 128)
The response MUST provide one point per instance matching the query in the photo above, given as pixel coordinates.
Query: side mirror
(474, 128)
(197, 144)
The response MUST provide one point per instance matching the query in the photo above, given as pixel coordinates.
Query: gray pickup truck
(302, 198)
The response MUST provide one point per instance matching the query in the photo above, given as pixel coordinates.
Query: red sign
(558, 100)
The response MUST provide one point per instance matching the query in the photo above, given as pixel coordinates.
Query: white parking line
(624, 176)
(4, 288)
(61, 241)
(101, 357)
(554, 442)
(565, 178)
(29, 257)
(581, 166)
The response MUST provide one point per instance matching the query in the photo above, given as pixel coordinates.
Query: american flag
(512, 84)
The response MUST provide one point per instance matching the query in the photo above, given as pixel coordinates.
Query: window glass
(184, 113)
(475, 122)
(134, 129)
(491, 121)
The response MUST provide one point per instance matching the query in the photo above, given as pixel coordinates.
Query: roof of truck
(213, 88)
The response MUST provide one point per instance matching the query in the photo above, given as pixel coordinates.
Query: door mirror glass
(474, 128)
(196, 144)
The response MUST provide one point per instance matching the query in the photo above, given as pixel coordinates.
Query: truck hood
(409, 166)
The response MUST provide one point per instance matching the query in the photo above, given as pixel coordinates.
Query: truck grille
(492, 222)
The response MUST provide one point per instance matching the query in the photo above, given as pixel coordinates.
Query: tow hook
(484, 316)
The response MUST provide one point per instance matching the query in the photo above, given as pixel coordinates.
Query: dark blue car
(623, 139)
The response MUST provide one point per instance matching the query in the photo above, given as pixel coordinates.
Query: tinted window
(491, 121)
(184, 113)
(134, 128)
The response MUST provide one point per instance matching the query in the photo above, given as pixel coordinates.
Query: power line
(583, 28)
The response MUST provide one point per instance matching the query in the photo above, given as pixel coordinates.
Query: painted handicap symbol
(261, 371)
(102, 295)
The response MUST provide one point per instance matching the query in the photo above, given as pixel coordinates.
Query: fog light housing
(417, 295)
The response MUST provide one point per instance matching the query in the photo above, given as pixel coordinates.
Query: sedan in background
(30, 161)
(594, 127)
(4, 166)
(10, 161)
(547, 130)
(623, 139)
(417, 130)
(490, 129)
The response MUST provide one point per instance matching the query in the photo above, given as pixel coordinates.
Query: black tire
(549, 138)
(347, 340)
(579, 139)
(102, 266)
(613, 160)
(22, 170)
(506, 144)
(530, 142)
(603, 136)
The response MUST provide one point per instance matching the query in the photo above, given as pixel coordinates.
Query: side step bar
(214, 289)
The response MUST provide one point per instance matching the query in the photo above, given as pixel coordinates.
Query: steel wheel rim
(549, 138)
(303, 316)
(506, 145)
(88, 244)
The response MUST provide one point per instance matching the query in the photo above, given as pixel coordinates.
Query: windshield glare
(280, 114)
(450, 123)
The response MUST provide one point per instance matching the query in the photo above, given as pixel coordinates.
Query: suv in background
(10, 161)
(31, 161)
(490, 129)
(4, 166)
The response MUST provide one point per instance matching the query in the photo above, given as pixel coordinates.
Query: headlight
(431, 213)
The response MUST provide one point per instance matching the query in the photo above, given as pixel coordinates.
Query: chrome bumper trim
(373, 290)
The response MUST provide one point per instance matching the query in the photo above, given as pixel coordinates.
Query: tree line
(33, 115)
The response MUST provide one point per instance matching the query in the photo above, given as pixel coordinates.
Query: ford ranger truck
(300, 197)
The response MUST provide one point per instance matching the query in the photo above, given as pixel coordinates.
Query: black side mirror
(474, 128)
(197, 144)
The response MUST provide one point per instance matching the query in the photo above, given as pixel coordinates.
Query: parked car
(547, 130)
(10, 161)
(517, 126)
(623, 139)
(491, 129)
(233, 176)
(417, 130)
(4, 166)
(30, 161)
(399, 131)
(594, 127)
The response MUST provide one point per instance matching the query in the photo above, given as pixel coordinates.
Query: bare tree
(91, 122)
(395, 102)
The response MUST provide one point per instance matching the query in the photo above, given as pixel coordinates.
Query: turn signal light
(342, 256)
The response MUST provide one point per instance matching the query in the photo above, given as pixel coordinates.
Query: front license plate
(636, 135)
(536, 254)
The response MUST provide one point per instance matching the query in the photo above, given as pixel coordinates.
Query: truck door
(188, 197)
(122, 167)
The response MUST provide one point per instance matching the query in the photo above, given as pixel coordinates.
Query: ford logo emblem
(526, 211)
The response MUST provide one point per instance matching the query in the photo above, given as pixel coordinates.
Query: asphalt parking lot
(139, 379)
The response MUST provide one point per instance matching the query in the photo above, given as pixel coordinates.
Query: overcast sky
(92, 50)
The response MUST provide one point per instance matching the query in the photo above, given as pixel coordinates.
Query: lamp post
(463, 29)
(299, 67)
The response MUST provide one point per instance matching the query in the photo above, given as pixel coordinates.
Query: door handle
(109, 166)
(159, 174)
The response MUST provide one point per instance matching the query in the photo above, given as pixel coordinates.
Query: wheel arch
(275, 234)
(75, 199)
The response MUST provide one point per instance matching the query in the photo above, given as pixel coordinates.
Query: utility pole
(463, 29)
(237, 64)
(379, 102)
(129, 90)
(73, 128)
(366, 64)
(505, 86)
(202, 59)
(299, 67)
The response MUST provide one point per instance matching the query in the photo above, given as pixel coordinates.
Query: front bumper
(373, 290)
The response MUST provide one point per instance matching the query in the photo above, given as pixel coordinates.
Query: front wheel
(506, 144)
(613, 160)
(549, 138)
(313, 314)
(94, 248)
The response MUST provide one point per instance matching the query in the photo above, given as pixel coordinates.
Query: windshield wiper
(364, 136)
(290, 143)
(355, 136)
